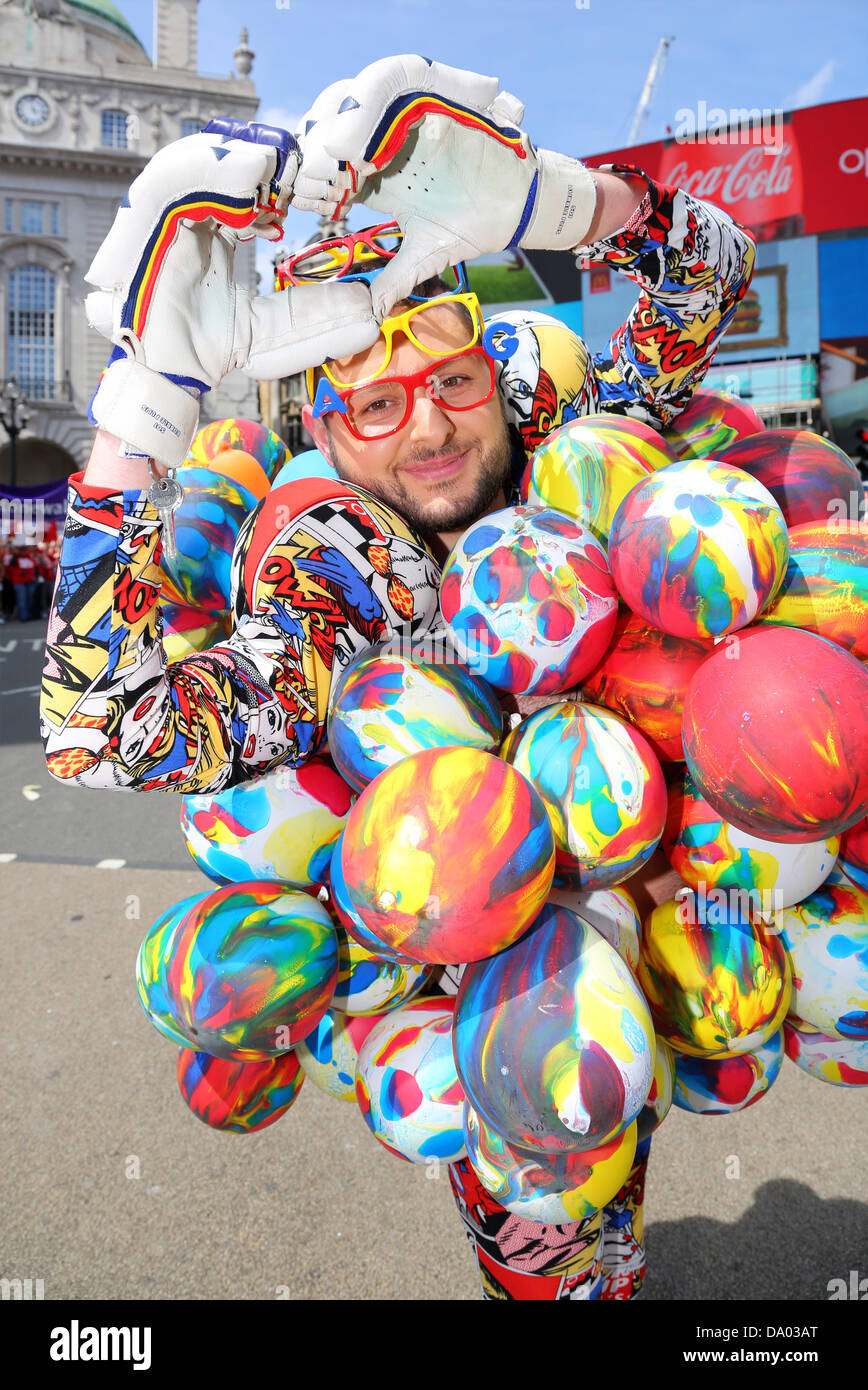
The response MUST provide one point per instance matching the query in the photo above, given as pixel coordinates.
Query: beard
(452, 505)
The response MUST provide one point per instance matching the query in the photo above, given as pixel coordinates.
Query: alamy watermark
(740, 125)
(22, 516)
(714, 906)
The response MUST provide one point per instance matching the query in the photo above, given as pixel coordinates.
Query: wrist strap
(152, 415)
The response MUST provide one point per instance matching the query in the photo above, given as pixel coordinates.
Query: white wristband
(147, 411)
(564, 207)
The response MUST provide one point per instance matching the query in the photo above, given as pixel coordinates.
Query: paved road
(110, 1188)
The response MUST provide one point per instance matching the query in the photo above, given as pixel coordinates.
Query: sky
(578, 65)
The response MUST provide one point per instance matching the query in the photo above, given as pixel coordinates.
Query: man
(328, 568)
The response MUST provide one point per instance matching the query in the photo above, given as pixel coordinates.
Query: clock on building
(32, 110)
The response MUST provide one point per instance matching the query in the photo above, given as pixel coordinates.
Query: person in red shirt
(23, 573)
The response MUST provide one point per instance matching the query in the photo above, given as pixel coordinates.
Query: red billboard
(789, 174)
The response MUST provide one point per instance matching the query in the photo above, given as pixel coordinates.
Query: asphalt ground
(110, 1188)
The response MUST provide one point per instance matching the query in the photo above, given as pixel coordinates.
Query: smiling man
(421, 440)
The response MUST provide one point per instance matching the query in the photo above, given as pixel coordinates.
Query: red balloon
(810, 478)
(775, 733)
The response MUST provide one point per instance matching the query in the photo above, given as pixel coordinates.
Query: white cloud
(812, 91)
(280, 116)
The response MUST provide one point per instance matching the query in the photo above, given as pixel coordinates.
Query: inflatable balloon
(448, 856)
(370, 984)
(407, 1085)
(187, 630)
(554, 1188)
(853, 856)
(810, 478)
(711, 422)
(242, 468)
(704, 849)
(825, 588)
(553, 1039)
(643, 677)
(207, 523)
(386, 705)
(658, 1102)
(350, 919)
(239, 1097)
(248, 970)
(698, 549)
(310, 464)
(611, 911)
(282, 826)
(717, 985)
(586, 468)
(722, 1085)
(267, 448)
(826, 937)
(529, 600)
(601, 784)
(775, 729)
(152, 961)
(840, 1061)
(541, 351)
(329, 1054)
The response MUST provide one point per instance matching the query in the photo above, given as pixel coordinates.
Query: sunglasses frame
(411, 384)
(356, 242)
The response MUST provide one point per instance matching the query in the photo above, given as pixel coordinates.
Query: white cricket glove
(167, 298)
(440, 151)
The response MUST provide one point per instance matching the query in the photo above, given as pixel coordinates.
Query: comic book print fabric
(313, 583)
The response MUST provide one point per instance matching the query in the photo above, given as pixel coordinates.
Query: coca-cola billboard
(812, 177)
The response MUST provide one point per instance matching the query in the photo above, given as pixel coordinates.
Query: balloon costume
(350, 890)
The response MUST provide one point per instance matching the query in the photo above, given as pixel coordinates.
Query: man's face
(441, 471)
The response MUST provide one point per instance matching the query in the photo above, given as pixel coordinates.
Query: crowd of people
(27, 568)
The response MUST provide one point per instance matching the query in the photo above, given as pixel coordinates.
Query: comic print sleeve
(320, 572)
(693, 265)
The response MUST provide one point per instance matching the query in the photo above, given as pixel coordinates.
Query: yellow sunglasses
(429, 326)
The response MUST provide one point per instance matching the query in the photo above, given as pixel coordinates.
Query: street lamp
(14, 414)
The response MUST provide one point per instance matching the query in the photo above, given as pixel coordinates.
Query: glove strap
(152, 415)
(563, 209)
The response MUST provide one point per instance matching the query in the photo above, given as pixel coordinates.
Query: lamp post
(14, 414)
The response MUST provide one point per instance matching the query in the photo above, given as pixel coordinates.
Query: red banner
(788, 175)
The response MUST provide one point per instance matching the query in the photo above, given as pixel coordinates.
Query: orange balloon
(242, 468)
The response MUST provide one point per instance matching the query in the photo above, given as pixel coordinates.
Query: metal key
(166, 494)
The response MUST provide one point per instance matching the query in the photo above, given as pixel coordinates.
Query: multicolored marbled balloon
(265, 446)
(825, 588)
(207, 523)
(242, 468)
(601, 784)
(529, 600)
(698, 549)
(840, 1061)
(586, 468)
(370, 984)
(152, 961)
(282, 826)
(711, 422)
(808, 476)
(187, 630)
(407, 1086)
(554, 1188)
(717, 985)
(658, 1102)
(329, 1054)
(775, 729)
(386, 705)
(853, 855)
(553, 1039)
(612, 911)
(344, 910)
(643, 677)
(248, 970)
(722, 1085)
(448, 856)
(826, 937)
(706, 850)
(239, 1097)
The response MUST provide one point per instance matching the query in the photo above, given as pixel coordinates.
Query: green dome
(108, 11)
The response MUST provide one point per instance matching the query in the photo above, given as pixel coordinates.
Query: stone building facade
(82, 109)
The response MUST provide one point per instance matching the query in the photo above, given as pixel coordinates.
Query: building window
(190, 127)
(114, 130)
(31, 330)
(32, 218)
(10, 215)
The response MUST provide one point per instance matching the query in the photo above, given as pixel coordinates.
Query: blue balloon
(310, 464)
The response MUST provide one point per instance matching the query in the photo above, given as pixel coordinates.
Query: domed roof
(110, 12)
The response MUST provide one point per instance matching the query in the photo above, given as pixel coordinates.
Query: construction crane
(646, 100)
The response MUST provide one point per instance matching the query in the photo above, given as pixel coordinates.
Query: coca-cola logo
(761, 172)
(853, 162)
